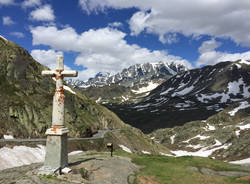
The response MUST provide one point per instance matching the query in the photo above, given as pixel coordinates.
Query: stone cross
(56, 145)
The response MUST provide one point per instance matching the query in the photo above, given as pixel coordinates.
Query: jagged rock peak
(135, 74)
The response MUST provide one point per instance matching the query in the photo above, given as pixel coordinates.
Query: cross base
(45, 170)
(56, 151)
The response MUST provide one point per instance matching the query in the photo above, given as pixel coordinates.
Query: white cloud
(101, 50)
(208, 55)
(17, 34)
(6, 2)
(83, 5)
(217, 18)
(115, 24)
(169, 38)
(8, 21)
(209, 45)
(47, 58)
(44, 13)
(31, 3)
(138, 22)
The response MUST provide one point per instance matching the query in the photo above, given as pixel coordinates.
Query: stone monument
(56, 157)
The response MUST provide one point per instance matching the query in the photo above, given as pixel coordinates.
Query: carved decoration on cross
(58, 99)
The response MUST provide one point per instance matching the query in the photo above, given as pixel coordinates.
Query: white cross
(58, 99)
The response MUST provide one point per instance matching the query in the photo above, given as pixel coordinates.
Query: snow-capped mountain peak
(133, 75)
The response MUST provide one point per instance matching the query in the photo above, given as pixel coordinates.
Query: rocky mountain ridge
(129, 85)
(134, 75)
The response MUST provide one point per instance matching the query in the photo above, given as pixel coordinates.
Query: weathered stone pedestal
(56, 151)
(56, 148)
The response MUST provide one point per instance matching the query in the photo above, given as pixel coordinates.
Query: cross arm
(70, 73)
(48, 72)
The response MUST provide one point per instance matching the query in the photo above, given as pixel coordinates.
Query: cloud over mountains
(101, 50)
(217, 18)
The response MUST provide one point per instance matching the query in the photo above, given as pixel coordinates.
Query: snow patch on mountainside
(145, 152)
(244, 161)
(209, 127)
(183, 92)
(203, 152)
(147, 88)
(172, 138)
(194, 146)
(124, 148)
(233, 88)
(20, 155)
(201, 137)
(166, 92)
(23, 155)
(238, 66)
(244, 127)
(8, 137)
(244, 62)
(182, 105)
(243, 105)
(68, 89)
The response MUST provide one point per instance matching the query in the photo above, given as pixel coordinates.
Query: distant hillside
(188, 96)
(224, 135)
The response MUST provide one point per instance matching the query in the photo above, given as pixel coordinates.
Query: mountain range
(129, 85)
(132, 76)
(188, 96)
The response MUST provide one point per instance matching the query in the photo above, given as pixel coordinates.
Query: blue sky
(109, 35)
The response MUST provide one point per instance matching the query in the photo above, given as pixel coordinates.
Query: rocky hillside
(223, 136)
(26, 99)
(188, 96)
(129, 85)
